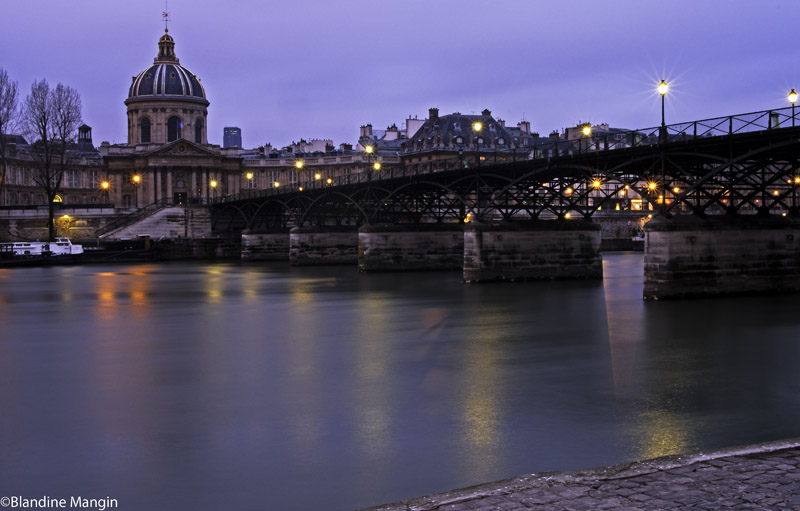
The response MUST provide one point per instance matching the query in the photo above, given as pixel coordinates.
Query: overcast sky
(287, 69)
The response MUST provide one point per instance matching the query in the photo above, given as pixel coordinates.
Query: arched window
(174, 127)
(145, 138)
(198, 131)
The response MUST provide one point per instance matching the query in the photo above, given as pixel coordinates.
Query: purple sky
(283, 70)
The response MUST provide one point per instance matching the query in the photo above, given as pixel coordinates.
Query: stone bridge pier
(323, 245)
(412, 247)
(694, 256)
(271, 245)
(533, 250)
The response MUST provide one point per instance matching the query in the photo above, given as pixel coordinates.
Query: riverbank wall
(761, 476)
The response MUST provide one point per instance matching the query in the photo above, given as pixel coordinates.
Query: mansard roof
(455, 132)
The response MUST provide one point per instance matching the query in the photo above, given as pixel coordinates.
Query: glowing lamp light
(317, 177)
(213, 184)
(329, 180)
(663, 87)
(369, 149)
(596, 183)
(300, 189)
(775, 193)
(797, 180)
(793, 97)
(276, 184)
(676, 190)
(249, 175)
(569, 191)
(477, 126)
(105, 185)
(587, 130)
(652, 185)
(65, 217)
(298, 164)
(567, 215)
(136, 179)
(377, 166)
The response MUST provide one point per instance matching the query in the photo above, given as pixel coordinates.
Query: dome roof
(166, 80)
(166, 77)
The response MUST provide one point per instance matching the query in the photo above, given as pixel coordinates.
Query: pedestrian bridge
(722, 192)
(738, 164)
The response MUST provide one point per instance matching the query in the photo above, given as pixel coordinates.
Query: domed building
(168, 159)
(166, 101)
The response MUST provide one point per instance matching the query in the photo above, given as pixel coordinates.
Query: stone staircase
(169, 222)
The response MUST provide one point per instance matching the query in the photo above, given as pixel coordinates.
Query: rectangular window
(72, 179)
(94, 180)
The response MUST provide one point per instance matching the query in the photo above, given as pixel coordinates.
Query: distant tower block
(232, 137)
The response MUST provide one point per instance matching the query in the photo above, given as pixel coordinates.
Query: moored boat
(32, 253)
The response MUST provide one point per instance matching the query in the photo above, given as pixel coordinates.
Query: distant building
(232, 137)
(454, 137)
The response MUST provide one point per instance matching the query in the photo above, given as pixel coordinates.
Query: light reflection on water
(210, 386)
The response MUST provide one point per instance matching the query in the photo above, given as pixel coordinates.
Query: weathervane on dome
(165, 15)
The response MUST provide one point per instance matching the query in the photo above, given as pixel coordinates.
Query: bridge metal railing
(552, 147)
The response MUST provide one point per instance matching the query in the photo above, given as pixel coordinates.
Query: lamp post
(662, 135)
(213, 184)
(136, 179)
(587, 132)
(105, 185)
(299, 166)
(369, 150)
(477, 127)
(662, 90)
(793, 100)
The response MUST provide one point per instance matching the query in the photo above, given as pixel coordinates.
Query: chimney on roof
(366, 131)
(392, 133)
(433, 113)
(524, 126)
(486, 112)
(501, 122)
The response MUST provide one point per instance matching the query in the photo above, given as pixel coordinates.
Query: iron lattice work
(743, 164)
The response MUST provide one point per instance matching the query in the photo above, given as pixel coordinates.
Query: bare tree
(9, 115)
(51, 118)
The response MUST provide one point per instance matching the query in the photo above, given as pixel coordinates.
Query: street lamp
(213, 185)
(369, 150)
(105, 185)
(136, 179)
(662, 90)
(477, 127)
(792, 100)
(587, 132)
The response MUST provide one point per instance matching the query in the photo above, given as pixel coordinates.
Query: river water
(210, 386)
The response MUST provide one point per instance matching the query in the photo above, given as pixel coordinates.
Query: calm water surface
(213, 386)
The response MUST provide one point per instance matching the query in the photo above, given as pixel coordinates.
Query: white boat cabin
(61, 246)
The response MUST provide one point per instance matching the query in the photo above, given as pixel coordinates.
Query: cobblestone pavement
(764, 476)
